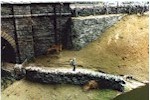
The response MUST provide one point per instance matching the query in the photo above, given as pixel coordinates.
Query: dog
(55, 48)
(91, 85)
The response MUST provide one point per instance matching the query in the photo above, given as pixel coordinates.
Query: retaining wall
(86, 29)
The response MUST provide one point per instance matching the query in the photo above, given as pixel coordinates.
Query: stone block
(46, 32)
(41, 8)
(24, 20)
(6, 10)
(7, 24)
(21, 9)
(63, 8)
(24, 33)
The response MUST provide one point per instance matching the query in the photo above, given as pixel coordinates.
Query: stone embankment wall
(86, 29)
(78, 77)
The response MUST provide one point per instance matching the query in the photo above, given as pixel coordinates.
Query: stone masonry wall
(86, 29)
(7, 27)
(24, 31)
(79, 77)
(35, 27)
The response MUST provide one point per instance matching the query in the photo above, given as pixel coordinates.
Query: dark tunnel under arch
(8, 53)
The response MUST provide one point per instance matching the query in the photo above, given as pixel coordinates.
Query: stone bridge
(29, 29)
(78, 77)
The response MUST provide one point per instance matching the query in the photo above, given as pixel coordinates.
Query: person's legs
(74, 68)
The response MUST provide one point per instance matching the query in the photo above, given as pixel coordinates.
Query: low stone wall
(101, 9)
(86, 29)
(78, 77)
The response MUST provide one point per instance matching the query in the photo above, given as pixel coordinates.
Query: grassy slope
(141, 93)
(123, 49)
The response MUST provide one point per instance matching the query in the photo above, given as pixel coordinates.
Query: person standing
(73, 63)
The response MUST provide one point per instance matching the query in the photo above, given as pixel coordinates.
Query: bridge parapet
(101, 8)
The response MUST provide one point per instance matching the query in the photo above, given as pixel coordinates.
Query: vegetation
(141, 93)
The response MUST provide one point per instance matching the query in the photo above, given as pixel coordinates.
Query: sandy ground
(25, 90)
(122, 49)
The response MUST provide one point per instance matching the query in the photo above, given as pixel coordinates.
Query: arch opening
(7, 52)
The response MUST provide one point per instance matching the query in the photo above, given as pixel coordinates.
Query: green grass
(106, 94)
(136, 94)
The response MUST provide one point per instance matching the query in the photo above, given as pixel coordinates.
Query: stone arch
(8, 48)
(9, 39)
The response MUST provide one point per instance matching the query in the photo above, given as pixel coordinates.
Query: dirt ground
(122, 49)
